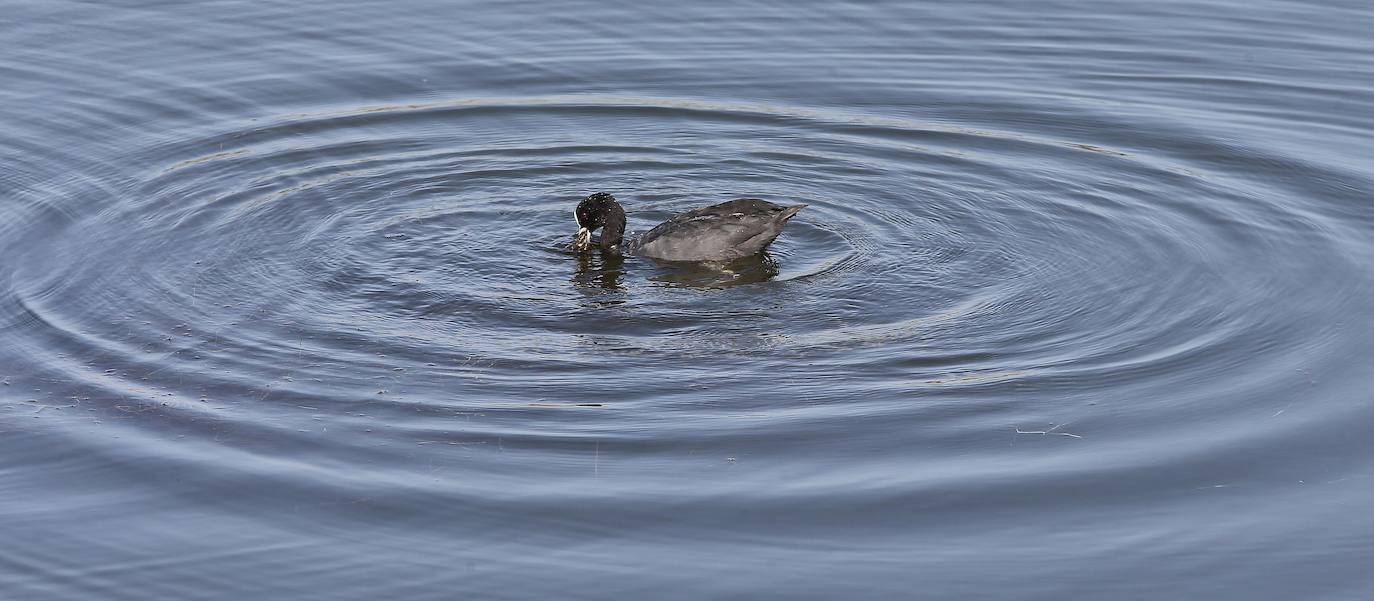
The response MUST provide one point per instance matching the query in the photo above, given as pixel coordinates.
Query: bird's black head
(591, 212)
(597, 211)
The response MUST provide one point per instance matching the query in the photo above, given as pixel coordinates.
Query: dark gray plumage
(720, 232)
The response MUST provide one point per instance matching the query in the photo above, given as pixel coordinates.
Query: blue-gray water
(1080, 308)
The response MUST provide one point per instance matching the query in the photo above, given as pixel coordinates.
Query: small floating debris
(542, 403)
(1048, 432)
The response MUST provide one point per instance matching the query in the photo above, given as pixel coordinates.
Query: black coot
(720, 232)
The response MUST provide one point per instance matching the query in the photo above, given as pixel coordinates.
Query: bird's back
(720, 232)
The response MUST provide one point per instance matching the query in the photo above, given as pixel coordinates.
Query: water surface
(1079, 307)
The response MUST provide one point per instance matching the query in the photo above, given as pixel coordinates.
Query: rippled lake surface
(1080, 308)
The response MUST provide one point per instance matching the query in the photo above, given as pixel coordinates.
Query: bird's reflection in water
(603, 271)
(753, 269)
(599, 270)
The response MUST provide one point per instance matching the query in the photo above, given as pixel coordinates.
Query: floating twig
(1047, 432)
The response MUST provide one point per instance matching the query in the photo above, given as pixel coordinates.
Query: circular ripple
(414, 256)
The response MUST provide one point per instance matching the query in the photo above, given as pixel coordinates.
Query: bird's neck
(613, 232)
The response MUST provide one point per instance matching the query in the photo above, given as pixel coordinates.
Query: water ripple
(1062, 290)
